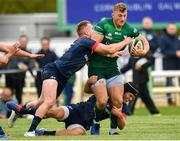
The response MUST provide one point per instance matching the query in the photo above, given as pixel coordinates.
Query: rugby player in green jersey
(110, 84)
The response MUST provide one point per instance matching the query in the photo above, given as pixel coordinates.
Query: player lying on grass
(54, 75)
(14, 49)
(78, 117)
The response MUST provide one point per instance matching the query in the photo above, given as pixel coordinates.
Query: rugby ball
(136, 43)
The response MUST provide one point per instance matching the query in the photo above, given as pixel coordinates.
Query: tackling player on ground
(78, 117)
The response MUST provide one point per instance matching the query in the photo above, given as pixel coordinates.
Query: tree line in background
(27, 6)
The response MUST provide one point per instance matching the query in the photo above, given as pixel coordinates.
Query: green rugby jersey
(111, 35)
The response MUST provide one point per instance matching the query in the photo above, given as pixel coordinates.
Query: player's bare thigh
(74, 131)
(100, 91)
(59, 113)
(49, 91)
(115, 90)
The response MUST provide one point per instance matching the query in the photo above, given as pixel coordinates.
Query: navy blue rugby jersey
(82, 113)
(76, 56)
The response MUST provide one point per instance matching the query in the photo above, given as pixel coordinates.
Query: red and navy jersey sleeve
(89, 43)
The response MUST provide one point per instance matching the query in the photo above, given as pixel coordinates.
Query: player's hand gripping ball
(136, 47)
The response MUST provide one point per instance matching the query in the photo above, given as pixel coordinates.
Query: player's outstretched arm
(112, 48)
(12, 50)
(7, 48)
(4, 47)
(29, 55)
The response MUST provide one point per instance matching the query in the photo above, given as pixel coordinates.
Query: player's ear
(112, 14)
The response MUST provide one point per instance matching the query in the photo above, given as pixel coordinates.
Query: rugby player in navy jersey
(78, 118)
(55, 75)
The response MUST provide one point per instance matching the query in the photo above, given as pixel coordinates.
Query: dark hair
(131, 87)
(121, 7)
(45, 38)
(80, 26)
(23, 36)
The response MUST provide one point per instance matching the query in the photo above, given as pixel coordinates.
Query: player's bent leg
(116, 95)
(65, 132)
(115, 91)
(75, 131)
(60, 113)
(100, 92)
(35, 103)
(49, 90)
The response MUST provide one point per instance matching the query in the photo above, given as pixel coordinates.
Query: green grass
(141, 126)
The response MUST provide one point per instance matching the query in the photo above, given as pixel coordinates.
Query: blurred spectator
(68, 90)
(50, 56)
(140, 78)
(170, 48)
(151, 36)
(19, 65)
(6, 96)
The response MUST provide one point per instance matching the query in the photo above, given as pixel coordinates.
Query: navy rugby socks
(113, 120)
(49, 133)
(24, 110)
(97, 113)
(35, 123)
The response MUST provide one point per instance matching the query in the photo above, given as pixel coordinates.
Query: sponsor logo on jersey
(117, 33)
(109, 36)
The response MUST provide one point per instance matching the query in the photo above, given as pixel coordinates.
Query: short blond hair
(80, 27)
(121, 7)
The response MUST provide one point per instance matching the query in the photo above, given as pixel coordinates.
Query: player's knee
(99, 83)
(80, 131)
(118, 102)
(50, 103)
(101, 103)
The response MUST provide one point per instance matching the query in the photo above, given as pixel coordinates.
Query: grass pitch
(140, 126)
